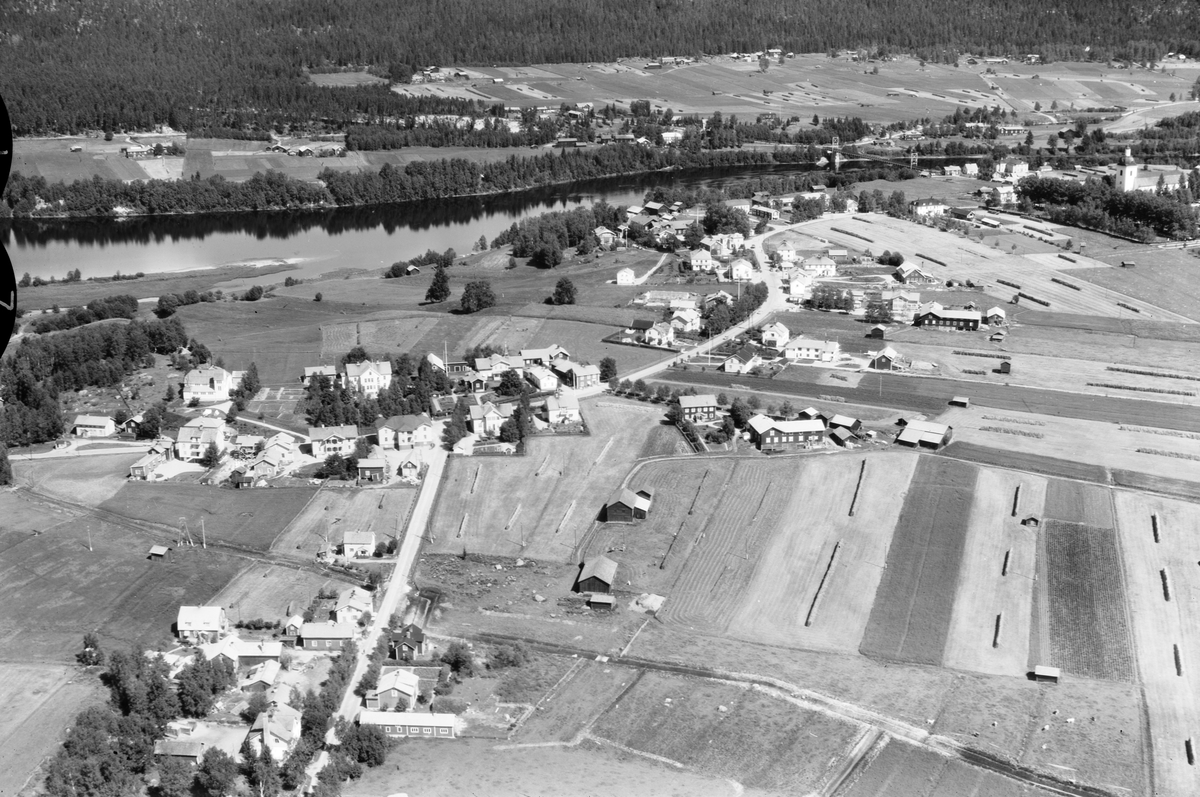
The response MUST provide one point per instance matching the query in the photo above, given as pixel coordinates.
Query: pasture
(760, 740)
(902, 768)
(270, 592)
(1080, 621)
(37, 703)
(87, 480)
(249, 519)
(57, 588)
(1162, 276)
(996, 580)
(320, 523)
(910, 619)
(540, 505)
(585, 693)
(1166, 632)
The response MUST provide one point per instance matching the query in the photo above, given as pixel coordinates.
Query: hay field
(1094, 445)
(910, 619)
(793, 564)
(589, 689)
(56, 589)
(332, 512)
(999, 563)
(1162, 628)
(1073, 502)
(343, 79)
(37, 704)
(88, 480)
(547, 499)
(760, 741)
(970, 259)
(250, 519)
(1162, 276)
(902, 768)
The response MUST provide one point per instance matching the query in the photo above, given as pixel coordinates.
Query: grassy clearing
(342, 79)
(1034, 463)
(664, 440)
(333, 512)
(532, 680)
(57, 588)
(910, 620)
(271, 593)
(1073, 502)
(586, 695)
(759, 741)
(86, 480)
(1162, 276)
(247, 518)
(1085, 600)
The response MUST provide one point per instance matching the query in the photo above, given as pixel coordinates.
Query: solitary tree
(564, 292)
(211, 457)
(477, 296)
(439, 289)
(608, 369)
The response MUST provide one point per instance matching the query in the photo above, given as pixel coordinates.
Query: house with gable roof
(369, 378)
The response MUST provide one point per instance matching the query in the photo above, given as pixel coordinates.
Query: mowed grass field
(1162, 276)
(271, 592)
(1166, 632)
(543, 504)
(910, 620)
(56, 589)
(800, 594)
(250, 519)
(37, 704)
(996, 581)
(333, 512)
(760, 741)
(902, 768)
(83, 480)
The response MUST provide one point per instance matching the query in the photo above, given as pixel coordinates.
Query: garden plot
(910, 619)
(1166, 632)
(1079, 620)
(817, 576)
(989, 627)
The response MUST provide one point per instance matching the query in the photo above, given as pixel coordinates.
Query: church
(1133, 176)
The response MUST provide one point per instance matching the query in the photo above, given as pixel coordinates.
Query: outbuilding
(597, 575)
(1006, 367)
(626, 506)
(960, 401)
(1046, 674)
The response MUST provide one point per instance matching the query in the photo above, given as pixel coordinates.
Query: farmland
(998, 564)
(321, 522)
(760, 741)
(1080, 618)
(1162, 276)
(900, 768)
(270, 592)
(1166, 633)
(911, 616)
(575, 476)
(249, 519)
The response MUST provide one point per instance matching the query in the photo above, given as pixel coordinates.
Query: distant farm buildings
(597, 575)
(924, 434)
(770, 435)
(627, 506)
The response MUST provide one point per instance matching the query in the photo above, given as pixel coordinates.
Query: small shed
(1128, 264)
(877, 332)
(960, 401)
(158, 553)
(597, 575)
(604, 603)
(1045, 674)
(1006, 367)
(842, 436)
(372, 469)
(853, 425)
(1031, 521)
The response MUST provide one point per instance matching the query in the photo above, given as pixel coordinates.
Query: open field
(1162, 276)
(57, 589)
(795, 563)
(333, 512)
(910, 619)
(249, 519)
(1164, 629)
(480, 766)
(974, 260)
(84, 480)
(37, 703)
(1033, 463)
(901, 768)
(1094, 446)
(998, 565)
(340, 79)
(1080, 620)
(270, 592)
(577, 474)
(1072, 502)
(759, 741)
(572, 705)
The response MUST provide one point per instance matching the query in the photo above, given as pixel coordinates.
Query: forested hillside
(78, 64)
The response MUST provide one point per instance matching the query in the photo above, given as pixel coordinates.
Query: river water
(319, 241)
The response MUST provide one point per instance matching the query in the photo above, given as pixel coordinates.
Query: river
(318, 241)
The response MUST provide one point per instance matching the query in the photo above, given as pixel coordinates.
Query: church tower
(1129, 172)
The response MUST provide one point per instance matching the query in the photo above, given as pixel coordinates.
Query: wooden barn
(1006, 367)
(626, 506)
(597, 575)
(877, 332)
(853, 425)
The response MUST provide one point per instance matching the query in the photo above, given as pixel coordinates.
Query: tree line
(1096, 204)
(245, 63)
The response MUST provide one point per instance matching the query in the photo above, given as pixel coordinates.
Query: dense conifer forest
(131, 64)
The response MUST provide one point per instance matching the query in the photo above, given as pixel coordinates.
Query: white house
(605, 236)
(93, 426)
(277, 729)
(740, 270)
(1004, 194)
(661, 334)
(927, 207)
(351, 606)
(201, 623)
(744, 360)
(210, 383)
(358, 544)
(406, 431)
(775, 335)
(329, 440)
(701, 260)
(486, 419)
(397, 687)
(811, 349)
(996, 316)
(686, 320)
(903, 305)
(562, 407)
(542, 378)
(626, 277)
(194, 437)
(819, 266)
(369, 378)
